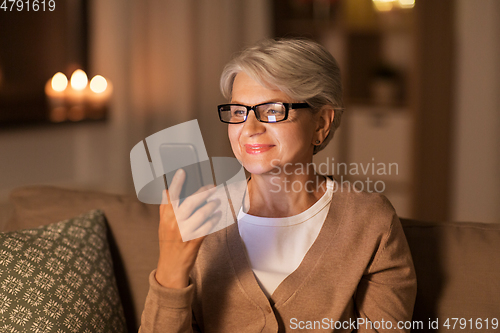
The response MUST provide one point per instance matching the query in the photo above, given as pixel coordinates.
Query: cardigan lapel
(242, 268)
(326, 238)
(292, 282)
(237, 251)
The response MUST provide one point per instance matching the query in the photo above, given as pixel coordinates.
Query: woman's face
(263, 147)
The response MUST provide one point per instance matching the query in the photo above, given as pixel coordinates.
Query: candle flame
(59, 82)
(98, 84)
(79, 80)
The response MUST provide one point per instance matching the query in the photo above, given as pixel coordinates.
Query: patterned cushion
(59, 278)
(132, 233)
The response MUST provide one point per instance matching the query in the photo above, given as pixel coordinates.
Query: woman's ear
(324, 122)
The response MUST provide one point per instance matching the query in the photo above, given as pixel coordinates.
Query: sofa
(457, 264)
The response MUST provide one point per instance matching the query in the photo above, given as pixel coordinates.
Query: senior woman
(305, 253)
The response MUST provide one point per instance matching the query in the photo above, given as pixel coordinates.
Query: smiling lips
(257, 148)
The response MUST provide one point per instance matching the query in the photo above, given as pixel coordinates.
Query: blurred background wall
(422, 90)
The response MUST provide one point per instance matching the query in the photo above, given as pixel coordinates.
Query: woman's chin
(258, 168)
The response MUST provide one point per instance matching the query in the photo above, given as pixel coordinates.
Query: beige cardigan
(359, 268)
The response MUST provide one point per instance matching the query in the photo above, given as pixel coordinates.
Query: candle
(99, 94)
(76, 95)
(55, 90)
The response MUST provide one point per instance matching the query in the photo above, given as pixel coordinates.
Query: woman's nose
(252, 126)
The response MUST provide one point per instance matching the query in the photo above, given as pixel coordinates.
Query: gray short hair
(301, 68)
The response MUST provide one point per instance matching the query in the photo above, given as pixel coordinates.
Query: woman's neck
(283, 195)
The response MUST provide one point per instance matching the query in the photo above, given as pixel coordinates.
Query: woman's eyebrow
(277, 100)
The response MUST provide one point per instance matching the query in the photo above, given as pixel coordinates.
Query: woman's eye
(273, 112)
(239, 112)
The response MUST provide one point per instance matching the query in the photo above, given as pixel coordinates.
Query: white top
(277, 246)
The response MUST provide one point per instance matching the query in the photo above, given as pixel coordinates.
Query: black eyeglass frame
(288, 106)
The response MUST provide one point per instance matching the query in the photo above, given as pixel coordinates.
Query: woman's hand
(176, 256)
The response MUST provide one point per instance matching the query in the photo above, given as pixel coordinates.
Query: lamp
(388, 5)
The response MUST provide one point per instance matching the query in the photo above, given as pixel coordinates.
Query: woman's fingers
(165, 200)
(176, 187)
(202, 230)
(165, 197)
(180, 223)
(204, 212)
(172, 194)
(198, 219)
(209, 224)
(194, 201)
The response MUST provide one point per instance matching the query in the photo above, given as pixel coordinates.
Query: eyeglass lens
(269, 113)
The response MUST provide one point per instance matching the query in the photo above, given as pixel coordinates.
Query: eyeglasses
(266, 112)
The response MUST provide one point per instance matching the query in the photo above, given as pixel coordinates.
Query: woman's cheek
(233, 139)
(236, 151)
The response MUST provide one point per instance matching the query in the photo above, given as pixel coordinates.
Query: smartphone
(184, 156)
